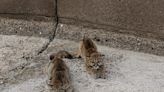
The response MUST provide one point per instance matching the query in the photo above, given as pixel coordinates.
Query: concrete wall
(27, 7)
(144, 18)
(28, 17)
(127, 24)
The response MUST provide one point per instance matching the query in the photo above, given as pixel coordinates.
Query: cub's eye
(51, 57)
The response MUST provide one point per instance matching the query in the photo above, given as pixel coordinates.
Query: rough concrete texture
(127, 71)
(28, 26)
(15, 58)
(111, 39)
(27, 7)
(138, 17)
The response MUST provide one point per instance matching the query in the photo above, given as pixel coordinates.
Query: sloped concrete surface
(16, 54)
(14, 48)
(126, 71)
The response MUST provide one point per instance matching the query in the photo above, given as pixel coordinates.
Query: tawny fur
(93, 59)
(61, 54)
(58, 75)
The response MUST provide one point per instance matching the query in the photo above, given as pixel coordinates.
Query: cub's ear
(52, 56)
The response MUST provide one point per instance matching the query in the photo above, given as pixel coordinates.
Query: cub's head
(61, 54)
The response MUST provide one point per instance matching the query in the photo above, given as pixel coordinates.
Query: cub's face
(96, 61)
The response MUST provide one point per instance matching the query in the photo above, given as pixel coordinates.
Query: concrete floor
(22, 66)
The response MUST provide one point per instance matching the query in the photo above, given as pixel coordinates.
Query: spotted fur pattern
(93, 59)
(58, 75)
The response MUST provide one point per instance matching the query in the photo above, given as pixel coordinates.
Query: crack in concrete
(51, 38)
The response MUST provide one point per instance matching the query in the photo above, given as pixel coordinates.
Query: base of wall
(45, 27)
(39, 26)
(111, 39)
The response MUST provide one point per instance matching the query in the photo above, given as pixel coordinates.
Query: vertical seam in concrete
(56, 19)
(51, 38)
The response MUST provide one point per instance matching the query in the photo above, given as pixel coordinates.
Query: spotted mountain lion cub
(58, 73)
(93, 59)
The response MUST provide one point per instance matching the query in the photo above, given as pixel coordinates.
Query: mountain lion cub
(58, 74)
(93, 59)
